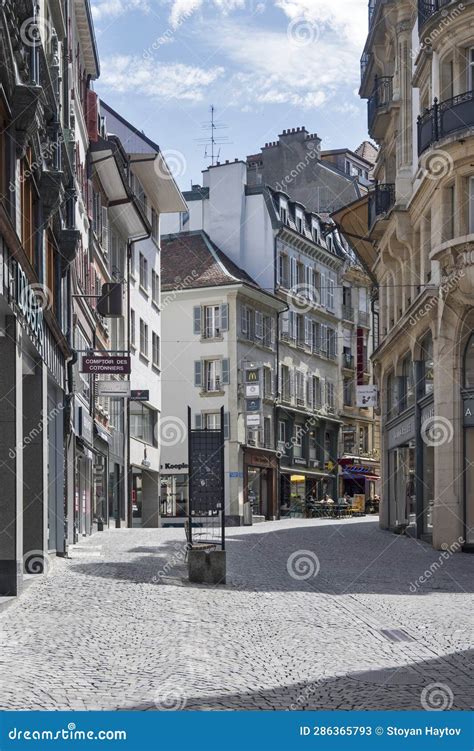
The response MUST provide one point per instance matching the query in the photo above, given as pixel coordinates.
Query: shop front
(299, 485)
(32, 376)
(468, 419)
(402, 474)
(426, 455)
(100, 473)
(174, 494)
(260, 483)
(84, 470)
(361, 477)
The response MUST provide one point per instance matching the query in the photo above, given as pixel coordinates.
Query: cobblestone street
(315, 614)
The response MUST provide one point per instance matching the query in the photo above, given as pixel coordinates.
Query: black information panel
(206, 472)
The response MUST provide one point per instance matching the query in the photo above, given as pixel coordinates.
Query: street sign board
(253, 421)
(114, 388)
(252, 375)
(253, 405)
(140, 395)
(252, 390)
(97, 364)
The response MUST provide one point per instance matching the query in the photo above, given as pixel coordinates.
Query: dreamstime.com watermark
(181, 284)
(176, 559)
(37, 430)
(46, 153)
(446, 286)
(167, 35)
(448, 551)
(447, 17)
(296, 172)
(300, 432)
(71, 733)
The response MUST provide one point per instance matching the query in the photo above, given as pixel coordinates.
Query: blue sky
(266, 65)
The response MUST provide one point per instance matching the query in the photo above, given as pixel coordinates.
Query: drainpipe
(278, 396)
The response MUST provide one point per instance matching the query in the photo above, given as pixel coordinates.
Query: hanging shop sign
(114, 388)
(106, 364)
(367, 396)
(140, 395)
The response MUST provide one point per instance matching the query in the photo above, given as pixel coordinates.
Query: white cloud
(274, 69)
(108, 9)
(124, 73)
(347, 17)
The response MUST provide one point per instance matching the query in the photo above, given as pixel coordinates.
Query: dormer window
(315, 232)
(299, 222)
(284, 211)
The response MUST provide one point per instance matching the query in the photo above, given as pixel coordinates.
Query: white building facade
(297, 256)
(221, 339)
(156, 192)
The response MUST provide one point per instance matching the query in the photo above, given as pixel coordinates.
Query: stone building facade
(415, 232)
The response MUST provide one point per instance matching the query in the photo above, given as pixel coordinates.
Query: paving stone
(299, 624)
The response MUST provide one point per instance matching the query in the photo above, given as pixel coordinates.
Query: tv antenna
(212, 143)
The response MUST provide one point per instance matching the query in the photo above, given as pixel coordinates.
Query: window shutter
(258, 324)
(323, 290)
(224, 317)
(309, 391)
(291, 383)
(307, 331)
(198, 373)
(324, 338)
(226, 426)
(243, 320)
(198, 421)
(105, 230)
(294, 273)
(225, 379)
(197, 319)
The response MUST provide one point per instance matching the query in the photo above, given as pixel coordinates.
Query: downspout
(278, 381)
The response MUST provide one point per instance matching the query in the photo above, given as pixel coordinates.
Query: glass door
(469, 498)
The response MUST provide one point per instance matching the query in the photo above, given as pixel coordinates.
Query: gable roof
(191, 259)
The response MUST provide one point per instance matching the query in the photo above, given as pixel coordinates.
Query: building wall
(424, 239)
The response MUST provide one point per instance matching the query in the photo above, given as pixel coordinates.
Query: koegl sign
(28, 303)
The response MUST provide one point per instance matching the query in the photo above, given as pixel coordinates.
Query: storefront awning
(353, 222)
(359, 476)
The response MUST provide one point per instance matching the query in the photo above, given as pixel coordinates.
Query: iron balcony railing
(381, 97)
(365, 61)
(348, 312)
(428, 8)
(381, 200)
(372, 8)
(444, 118)
(364, 318)
(348, 361)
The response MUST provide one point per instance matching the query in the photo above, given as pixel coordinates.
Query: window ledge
(219, 338)
(156, 368)
(144, 291)
(156, 306)
(144, 358)
(211, 393)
